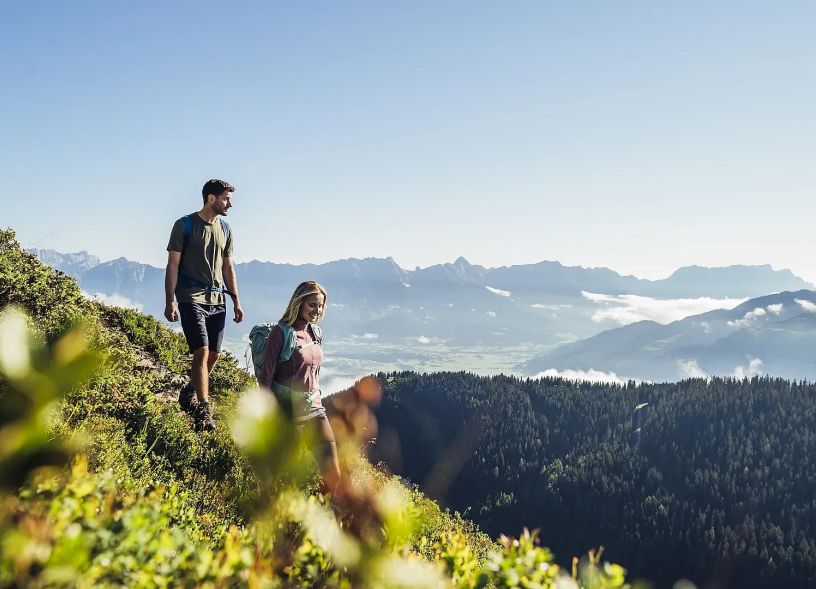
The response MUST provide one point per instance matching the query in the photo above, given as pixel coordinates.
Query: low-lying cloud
(690, 369)
(626, 309)
(751, 316)
(807, 305)
(114, 300)
(748, 318)
(498, 291)
(590, 375)
(754, 368)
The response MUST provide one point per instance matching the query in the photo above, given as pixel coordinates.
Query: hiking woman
(291, 369)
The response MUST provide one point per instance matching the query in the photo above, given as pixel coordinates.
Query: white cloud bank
(754, 368)
(751, 316)
(501, 293)
(690, 369)
(367, 336)
(114, 300)
(748, 318)
(590, 375)
(626, 309)
(807, 305)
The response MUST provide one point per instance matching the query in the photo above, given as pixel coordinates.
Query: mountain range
(572, 313)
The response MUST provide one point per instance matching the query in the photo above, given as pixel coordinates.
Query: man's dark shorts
(203, 325)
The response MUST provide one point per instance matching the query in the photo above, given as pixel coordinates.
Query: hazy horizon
(645, 273)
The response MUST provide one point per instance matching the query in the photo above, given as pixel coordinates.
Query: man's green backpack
(259, 334)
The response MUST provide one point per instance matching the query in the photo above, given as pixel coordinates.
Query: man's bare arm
(231, 282)
(170, 280)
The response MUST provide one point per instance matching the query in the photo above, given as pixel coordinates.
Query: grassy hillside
(103, 482)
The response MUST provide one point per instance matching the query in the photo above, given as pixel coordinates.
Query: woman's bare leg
(331, 457)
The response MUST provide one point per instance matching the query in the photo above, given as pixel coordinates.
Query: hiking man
(200, 271)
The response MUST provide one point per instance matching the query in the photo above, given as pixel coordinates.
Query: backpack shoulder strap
(288, 341)
(317, 333)
(188, 228)
(225, 226)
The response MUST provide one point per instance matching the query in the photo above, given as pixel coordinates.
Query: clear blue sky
(637, 135)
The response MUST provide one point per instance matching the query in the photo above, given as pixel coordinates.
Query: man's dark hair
(216, 187)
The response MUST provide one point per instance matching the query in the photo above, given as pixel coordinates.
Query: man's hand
(170, 280)
(232, 289)
(171, 312)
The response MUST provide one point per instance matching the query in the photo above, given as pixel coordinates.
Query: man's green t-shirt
(202, 259)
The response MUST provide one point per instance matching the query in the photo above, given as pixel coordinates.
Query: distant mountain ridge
(726, 281)
(773, 334)
(72, 264)
(545, 276)
(458, 303)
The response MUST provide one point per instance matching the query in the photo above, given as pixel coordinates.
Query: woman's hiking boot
(187, 399)
(203, 417)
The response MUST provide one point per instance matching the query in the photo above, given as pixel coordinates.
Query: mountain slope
(147, 501)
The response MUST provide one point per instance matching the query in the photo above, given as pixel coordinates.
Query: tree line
(718, 487)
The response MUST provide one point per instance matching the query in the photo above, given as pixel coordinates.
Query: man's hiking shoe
(203, 417)
(187, 399)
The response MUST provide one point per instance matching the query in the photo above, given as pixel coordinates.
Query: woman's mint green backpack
(259, 334)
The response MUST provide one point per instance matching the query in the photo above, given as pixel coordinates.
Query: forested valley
(717, 486)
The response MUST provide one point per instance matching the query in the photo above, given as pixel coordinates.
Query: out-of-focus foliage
(33, 377)
(106, 484)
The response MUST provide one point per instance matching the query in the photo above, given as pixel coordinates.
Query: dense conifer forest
(719, 485)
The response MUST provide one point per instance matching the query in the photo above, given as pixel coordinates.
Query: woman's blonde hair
(303, 290)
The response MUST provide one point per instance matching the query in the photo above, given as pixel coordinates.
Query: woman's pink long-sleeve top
(301, 372)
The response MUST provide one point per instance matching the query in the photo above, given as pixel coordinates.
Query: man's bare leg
(195, 382)
(199, 373)
(212, 358)
(200, 377)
